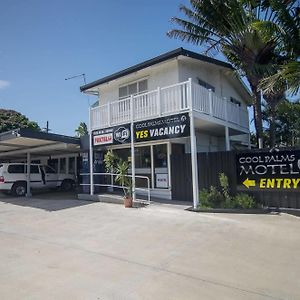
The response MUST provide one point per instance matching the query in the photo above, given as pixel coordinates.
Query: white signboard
(162, 181)
(103, 139)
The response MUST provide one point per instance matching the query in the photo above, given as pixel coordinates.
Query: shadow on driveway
(49, 201)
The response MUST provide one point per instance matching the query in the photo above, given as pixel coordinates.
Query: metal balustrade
(109, 181)
(166, 101)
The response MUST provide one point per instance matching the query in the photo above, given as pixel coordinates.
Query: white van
(13, 178)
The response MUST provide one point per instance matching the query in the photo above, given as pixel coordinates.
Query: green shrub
(204, 198)
(211, 198)
(224, 182)
(243, 200)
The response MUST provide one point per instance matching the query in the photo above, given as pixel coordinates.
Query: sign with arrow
(249, 183)
(278, 170)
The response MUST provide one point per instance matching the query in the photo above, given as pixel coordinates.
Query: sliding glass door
(150, 161)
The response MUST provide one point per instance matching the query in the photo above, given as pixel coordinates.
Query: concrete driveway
(84, 250)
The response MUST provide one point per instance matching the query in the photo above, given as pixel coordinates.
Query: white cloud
(4, 84)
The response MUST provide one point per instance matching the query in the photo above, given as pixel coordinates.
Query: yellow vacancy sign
(273, 183)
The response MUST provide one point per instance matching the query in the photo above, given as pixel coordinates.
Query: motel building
(177, 103)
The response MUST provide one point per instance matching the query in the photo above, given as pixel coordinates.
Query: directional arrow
(247, 183)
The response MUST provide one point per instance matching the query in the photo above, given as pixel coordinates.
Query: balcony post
(91, 155)
(194, 160)
(226, 108)
(159, 101)
(132, 147)
(227, 138)
(109, 114)
(190, 94)
(210, 99)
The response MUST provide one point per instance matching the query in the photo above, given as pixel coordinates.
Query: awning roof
(15, 144)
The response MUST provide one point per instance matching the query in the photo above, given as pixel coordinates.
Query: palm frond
(288, 74)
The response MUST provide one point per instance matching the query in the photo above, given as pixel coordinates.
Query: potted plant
(125, 181)
(116, 165)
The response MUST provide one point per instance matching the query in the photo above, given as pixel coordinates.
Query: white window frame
(206, 85)
(152, 170)
(132, 82)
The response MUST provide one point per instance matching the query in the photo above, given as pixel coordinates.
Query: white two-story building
(180, 102)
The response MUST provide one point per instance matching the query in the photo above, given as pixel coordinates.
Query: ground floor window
(150, 161)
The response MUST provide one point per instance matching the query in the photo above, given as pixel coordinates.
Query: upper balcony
(177, 98)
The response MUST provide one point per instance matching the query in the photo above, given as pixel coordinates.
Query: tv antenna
(84, 81)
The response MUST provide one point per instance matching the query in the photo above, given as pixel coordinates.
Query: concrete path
(53, 250)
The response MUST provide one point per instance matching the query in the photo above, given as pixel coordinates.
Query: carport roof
(15, 144)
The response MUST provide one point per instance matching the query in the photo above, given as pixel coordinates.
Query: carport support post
(28, 190)
(91, 157)
(194, 161)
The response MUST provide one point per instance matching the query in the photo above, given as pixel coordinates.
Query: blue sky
(43, 42)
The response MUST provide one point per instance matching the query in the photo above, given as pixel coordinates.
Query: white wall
(162, 74)
(206, 143)
(175, 71)
(212, 74)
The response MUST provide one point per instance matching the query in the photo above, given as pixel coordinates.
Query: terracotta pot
(128, 201)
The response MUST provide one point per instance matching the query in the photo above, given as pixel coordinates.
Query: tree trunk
(257, 115)
(273, 100)
(272, 126)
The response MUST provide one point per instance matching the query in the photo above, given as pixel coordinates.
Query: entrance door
(181, 174)
(142, 165)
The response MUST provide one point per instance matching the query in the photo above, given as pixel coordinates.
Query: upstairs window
(234, 101)
(206, 85)
(133, 88)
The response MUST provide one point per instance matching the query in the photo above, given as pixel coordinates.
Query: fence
(210, 165)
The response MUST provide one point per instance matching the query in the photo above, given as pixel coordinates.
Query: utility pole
(47, 129)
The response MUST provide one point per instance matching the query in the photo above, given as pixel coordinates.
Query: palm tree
(81, 129)
(288, 73)
(283, 74)
(234, 28)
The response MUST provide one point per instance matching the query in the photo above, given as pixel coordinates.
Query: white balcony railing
(166, 101)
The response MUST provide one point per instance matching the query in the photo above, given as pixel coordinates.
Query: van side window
(63, 166)
(49, 170)
(18, 169)
(34, 170)
(53, 163)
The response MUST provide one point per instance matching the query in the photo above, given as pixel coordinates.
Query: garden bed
(233, 210)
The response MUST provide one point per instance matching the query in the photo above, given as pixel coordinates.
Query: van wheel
(67, 185)
(19, 189)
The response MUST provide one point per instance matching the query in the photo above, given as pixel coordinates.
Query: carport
(25, 144)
